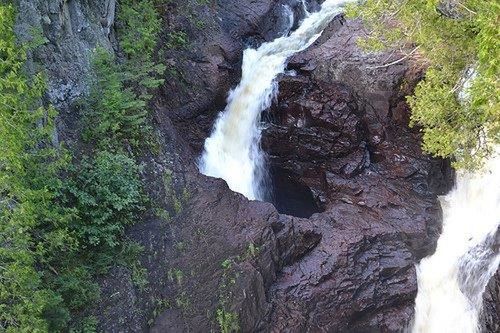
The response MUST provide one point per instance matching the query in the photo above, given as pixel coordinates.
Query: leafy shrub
(106, 191)
(139, 28)
(115, 113)
(117, 108)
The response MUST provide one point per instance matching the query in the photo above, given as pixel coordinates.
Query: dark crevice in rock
(291, 197)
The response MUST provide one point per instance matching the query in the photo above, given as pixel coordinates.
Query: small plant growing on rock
(177, 40)
(228, 321)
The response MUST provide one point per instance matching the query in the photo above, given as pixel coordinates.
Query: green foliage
(140, 26)
(175, 275)
(160, 305)
(68, 284)
(226, 264)
(61, 224)
(86, 325)
(252, 251)
(139, 276)
(182, 301)
(177, 201)
(31, 226)
(106, 191)
(228, 321)
(465, 128)
(163, 214)
(117, 112)
(177, 40)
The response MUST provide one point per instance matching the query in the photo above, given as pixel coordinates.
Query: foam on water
(232, 152)
(451, 282)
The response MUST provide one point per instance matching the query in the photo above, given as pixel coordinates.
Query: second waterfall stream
(451, 282)
(232, 152)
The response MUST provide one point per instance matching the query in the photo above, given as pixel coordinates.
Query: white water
(451, 281)
(304, 7)
(232, 152)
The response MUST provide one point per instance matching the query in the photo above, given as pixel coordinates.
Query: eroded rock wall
(71, 30)
(340, 127)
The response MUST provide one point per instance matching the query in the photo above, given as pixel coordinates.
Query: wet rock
(491, 305)
(339, 127)
(200, 74)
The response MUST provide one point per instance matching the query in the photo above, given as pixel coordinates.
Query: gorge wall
(361, 196)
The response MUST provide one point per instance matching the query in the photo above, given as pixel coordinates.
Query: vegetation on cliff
(62, 219)
(458, 39)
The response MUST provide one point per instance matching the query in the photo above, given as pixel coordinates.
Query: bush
(115, 113)
(117, 109)
(139, 28)
(106, 191)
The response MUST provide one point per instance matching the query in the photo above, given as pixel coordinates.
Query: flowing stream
(451, 282)
(232, 152)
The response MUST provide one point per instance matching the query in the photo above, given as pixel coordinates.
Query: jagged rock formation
(491, 303)
(340, 129)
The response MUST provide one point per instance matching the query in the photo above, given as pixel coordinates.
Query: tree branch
(397, 61)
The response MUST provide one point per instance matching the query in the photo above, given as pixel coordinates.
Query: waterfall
(232, 152)
(451, 281)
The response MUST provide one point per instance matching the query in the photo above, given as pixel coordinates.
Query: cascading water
(304, 7)
(451, 281)
(232, 152)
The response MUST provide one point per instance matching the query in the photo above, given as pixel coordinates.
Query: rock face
(491, 303)
(340, 128)
(72, 29)
(200, 74)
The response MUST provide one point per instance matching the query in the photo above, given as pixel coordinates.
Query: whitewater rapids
(232, 152)
(452, 281)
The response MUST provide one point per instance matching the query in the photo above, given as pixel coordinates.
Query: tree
(459, 39)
